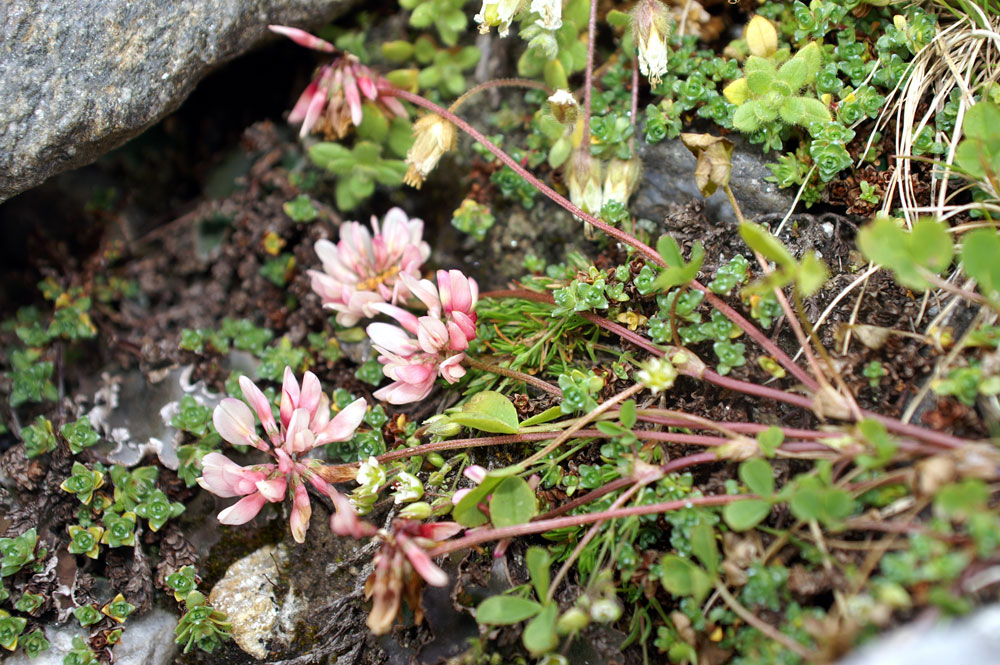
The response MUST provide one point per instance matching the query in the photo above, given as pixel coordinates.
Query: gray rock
(246, 595)
(80, 78)
(148, 640)
(668, 178)
(971, 639)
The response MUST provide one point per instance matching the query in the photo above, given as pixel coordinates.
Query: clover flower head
(421, 348)
(365, 268)
(657, 374)
(332, 102)
(304, 422)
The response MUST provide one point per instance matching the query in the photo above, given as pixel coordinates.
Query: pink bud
(253, 395)
(301, 512)
(303, 38)
(421, 563)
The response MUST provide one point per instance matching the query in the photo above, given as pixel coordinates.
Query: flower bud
(564, 107)
(436, 460)
(650, 30)
(433, 136)
(605, 610)
(658, 374)
(572, 620)
(583, 179)
(442, 425)
(621, 178)
(418, 510)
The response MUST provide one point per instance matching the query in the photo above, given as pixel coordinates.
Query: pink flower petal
(298, 112)
(475, 473)
(301, 512)
(223, 477)
(432, 334)
(273, 490)
(243, 510)
(353, 97)
(367, 85)
(289, 396)
(392, 338)
(313, 112)
(457, 341)
(421, 563)
(312, 392)
(253, 395)
(234, 421)
(406, 319)
(298, 437)
(439, 530)
(344, 424)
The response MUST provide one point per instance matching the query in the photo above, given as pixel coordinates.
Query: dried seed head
(650, 30)
(433, 136)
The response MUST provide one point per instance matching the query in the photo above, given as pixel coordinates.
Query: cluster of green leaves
(241, 334)
(442, 71)
(358, 169)
(473, 218)
(555, 55)
(22, 551)
(200, 625)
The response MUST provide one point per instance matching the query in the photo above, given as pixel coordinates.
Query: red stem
(541, 526)
(588, 80)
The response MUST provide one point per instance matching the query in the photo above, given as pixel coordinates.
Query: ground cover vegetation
(764, 442)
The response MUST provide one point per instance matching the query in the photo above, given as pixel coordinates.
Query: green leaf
(794, 73)
(746, 514)
(813, 110)
(374, 125)
(467, 512)
(555, 75)
(770, 439)
(928, 246)
(682, 578)
(792, 110)
(980, 254)
(540, 635)
(488, 411)
(703, 546)
(545, 416)
(538, 561)
(758, 475)
(811, 274)
(627, 414)
(759, 83)
(811, 55)
(397, 51)
(513, 502)
(760, 240)
(324, 153)
(506, 610)
(979, 152)
(678, 272)
(744, 118)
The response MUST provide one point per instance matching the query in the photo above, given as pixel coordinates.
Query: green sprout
(182, 582)
(20, 551)
(87, 615)
(201, 625)
(118, 609)
(80, 654)
(83, 483)
(10, 629)
(34, 643)
(119, 530)
(79, 435)
(85, 540)
(39, 438)
(156, 508)
(29, 602)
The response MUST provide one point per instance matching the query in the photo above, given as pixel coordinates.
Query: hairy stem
(497, 83)
(767, 629)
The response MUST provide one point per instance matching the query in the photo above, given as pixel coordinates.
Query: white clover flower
(650, 30)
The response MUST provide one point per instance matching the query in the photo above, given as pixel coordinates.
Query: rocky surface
(149, 640)
(668, 178)
(78, 79)
(247, 595)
